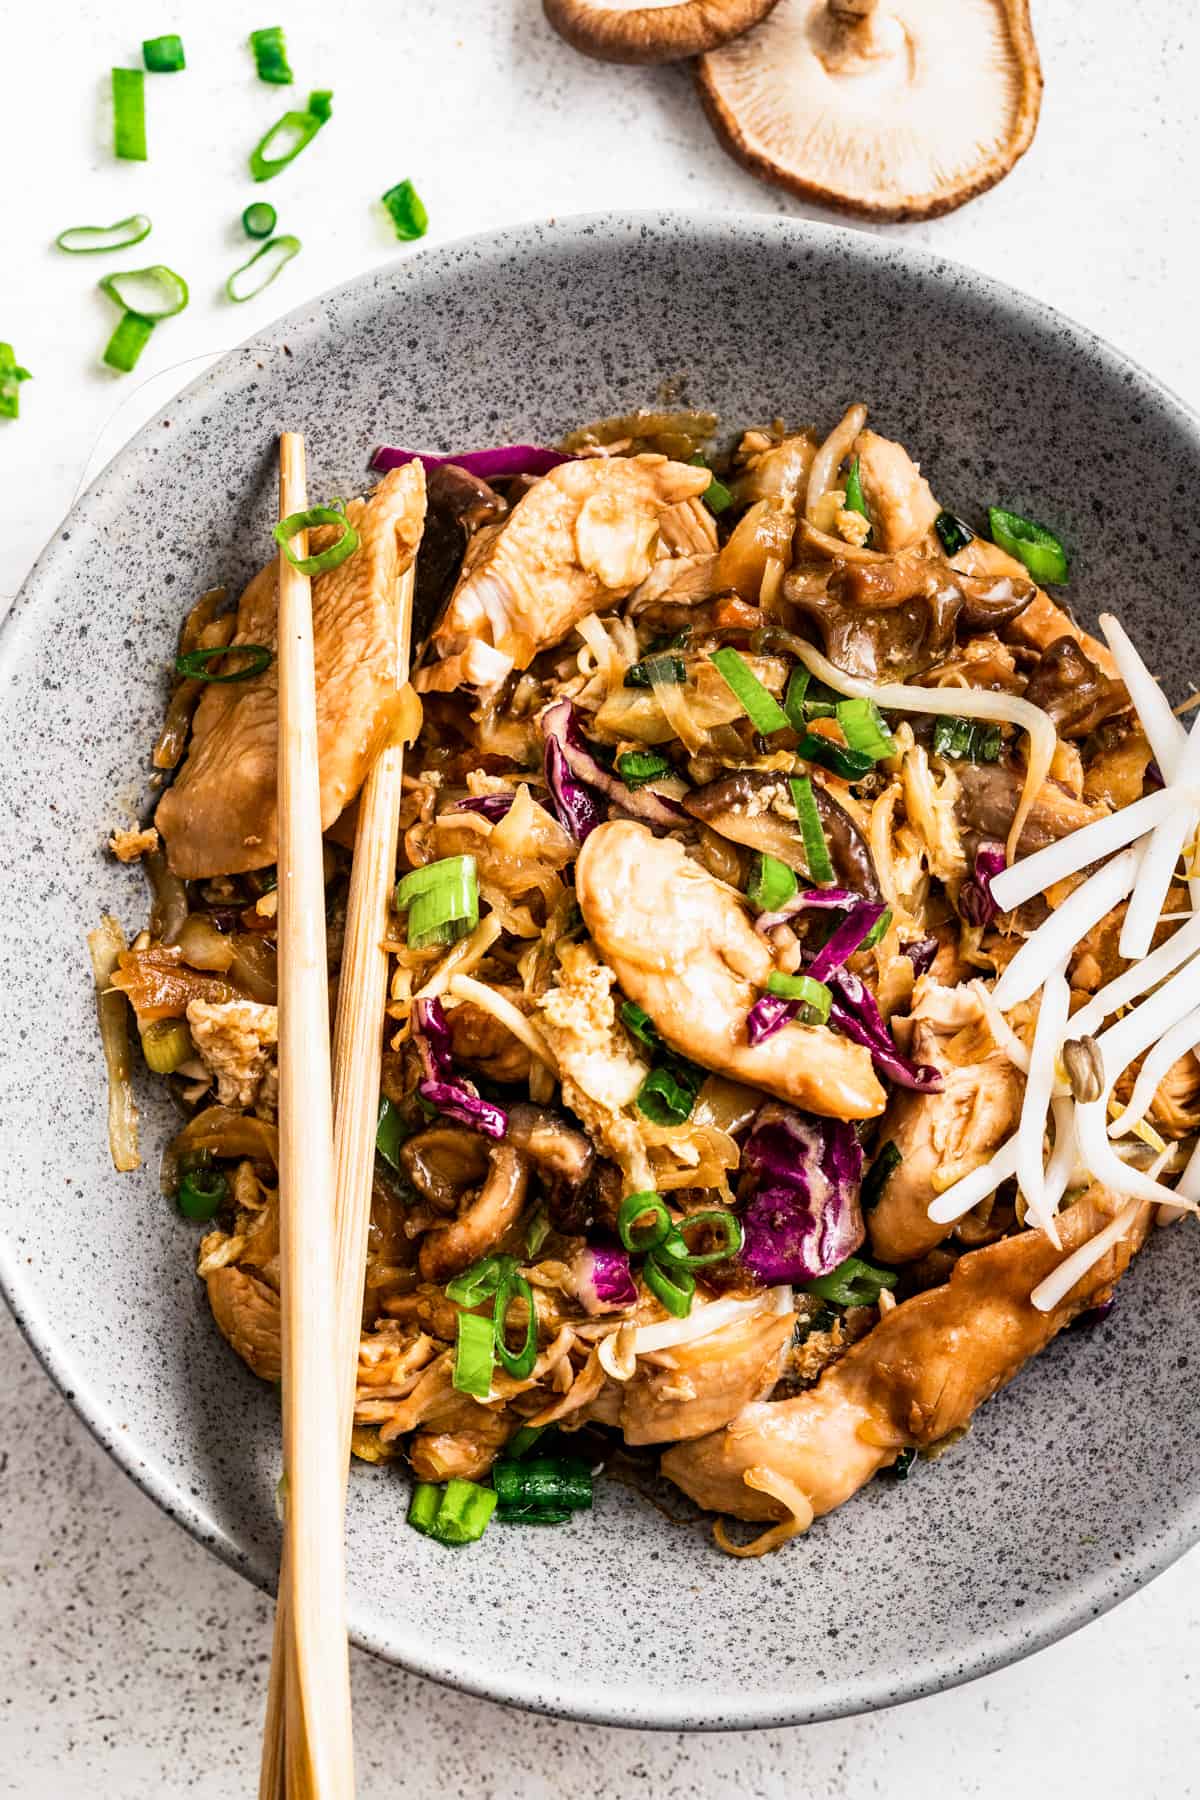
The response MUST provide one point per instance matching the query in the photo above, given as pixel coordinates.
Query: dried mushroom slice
(652, 31)
(896, 110)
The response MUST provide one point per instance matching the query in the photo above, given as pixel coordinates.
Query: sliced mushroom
(1077, 695)
(444, 1162)
(899, 110)
(743, 807)
(459, 505)
(987, 801)
(651, 31)
(550, 1143)
(449, 1249)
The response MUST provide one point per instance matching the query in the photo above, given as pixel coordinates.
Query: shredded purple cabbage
(859, 922)
(603, 1282)
(856, 1015)
(575, 806)
(768, 1014)
(455, 1098)
(560, 725)
(815, 897)
(921, 953)
(975, 903)
(803, 1218)
(492, 806)
(488, 465)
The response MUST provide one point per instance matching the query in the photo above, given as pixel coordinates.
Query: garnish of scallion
(1034, 545)
(90, 240)
(127, 342)
(457, 1514)
(288, 136)
(772, 884)
(406, 209)
(12, 374)
(855, 498)
(270, 56)
(759, 704)
(129, 114)
(154, 293)
(814, 997)
(258, 220)
(164, 55)
(966, 740)
(865, 730)
(311, 517)
(716, 495)
(854, 1282)
(441, 900)
(635, 767)
(193, 664)
(812, 832)
(260, 271)
(474, 1355)
(954, 535)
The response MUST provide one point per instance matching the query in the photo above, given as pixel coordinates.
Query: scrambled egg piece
(128, 846)
(235, 1040)
(600, 1071)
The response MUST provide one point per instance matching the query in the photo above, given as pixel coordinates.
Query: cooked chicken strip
(897, 495)
(918, 1375)
(578, 542)
(219, 816)
(684, 950)
(696, 1388)
(247, 1314)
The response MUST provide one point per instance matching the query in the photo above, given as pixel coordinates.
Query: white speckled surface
(130, 1663)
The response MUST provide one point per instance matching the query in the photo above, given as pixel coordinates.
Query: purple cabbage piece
(489, 465)
(861, 920)
(492, 806)
(804, 1217)
(603, 1282)
(856, 1015)
(575, 806)
(768, 1014)
(454, 1098)
(815, 897)
(921, 954)
(975, 903)
(560, 724)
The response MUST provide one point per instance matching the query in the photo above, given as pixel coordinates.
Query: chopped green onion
(878, 929)
(89, 240)
(772, 884)
(667, 669)
(12, 374)
(129, 114)
(193, 663)
(814, 997)
(954, 534)
(392, 1131)
(674, 1247)
(759, 704)
(1035, 546)
(636, 1207)
(474, 1355)
(639, 1024)
(480, 1281)
(904, 1463)
(967, 740)
(287, 138)
(543, 1484)
(667, 1095)
(635, 767)
(270, 56)
(851, 765)
(517, 1363)
(812, 832)
(457, 1514)
(423, 1504)
(673, 1286)
(312, 516)
(853, 1283)
(865, 730)
(523, 1441)
(258, 221)
(855, 498)
(716, 495)
(430, 876)
(201, 1193)
(880, 1172)
(320, 104)
(534, 1515)
(407, 211)
(442, 901)
(263, 266)
(536, 1232)
(165, 1044)
(127, 342)
(154, 293)
(164, 55)
(793, 699)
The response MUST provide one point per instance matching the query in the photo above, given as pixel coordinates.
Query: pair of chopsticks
(327, 1121)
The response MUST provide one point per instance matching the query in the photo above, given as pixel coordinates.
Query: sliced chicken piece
(696, 1388)
(466, 1444)
(247, 1314)
(688, 529)
(684, 950)
(219, 816)
(578, 542)
(920, 1374)
(898, 497)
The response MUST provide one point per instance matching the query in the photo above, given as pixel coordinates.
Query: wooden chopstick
(316, 1682)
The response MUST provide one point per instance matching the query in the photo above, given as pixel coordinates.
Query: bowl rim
(1147, 1553)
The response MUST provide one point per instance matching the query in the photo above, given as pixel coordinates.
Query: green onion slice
(793, 699)
(312, 516)
(480, 1281)
(1035, 546)
(193, 663)
(12, 374)
(876, 1179)
(127, 342)
(636, 767)
(667, 1095)
(432, 875)
(258, 221)
(270, 56)
(759, 704)
(285, 140)
(536, 1232)
(967, 740)
(853, 1283)
(154, 293)
(674, 1247)
(716, 495)
(407, 211)
(903, 1463)
(164, 55)
(201, 1192)
(644, 674)
(812, 832)
(772, 884)
(855, 498)
(442, 901)
(851, 765)
(129, 114)
(320, 104)
(249, 281)
(672, 1285)
(423, 1504)
(517, 1363)
(954, 535)
(881, 926)
(634, 1209)
(543, 1484)
(640, 1025)
(474, 1355)
(464, 1513)
(392, 1131)
(89, 240)
(865, 730)
(814, 997)
(522, 1441)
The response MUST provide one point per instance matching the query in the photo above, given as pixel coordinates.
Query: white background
(130, 1663)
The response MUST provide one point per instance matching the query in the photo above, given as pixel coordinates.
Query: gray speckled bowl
(1078, 1483)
